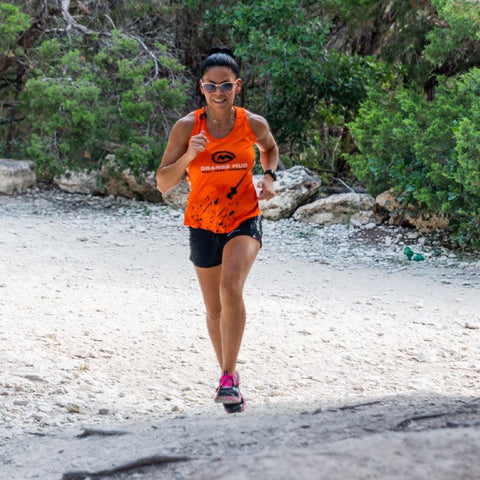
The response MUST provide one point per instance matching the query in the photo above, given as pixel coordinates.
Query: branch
(405, 423)
(155, 61)
(344, 184)
(136, 464)
(71, 21)
(86, 31)
(9, 104)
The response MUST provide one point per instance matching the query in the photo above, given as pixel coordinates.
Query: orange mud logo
(223, 157)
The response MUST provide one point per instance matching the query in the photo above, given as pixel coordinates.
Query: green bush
(305, 90)
(86, 102)
(427, 151)
(12, 23)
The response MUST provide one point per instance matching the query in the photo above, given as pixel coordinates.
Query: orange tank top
(222, 194)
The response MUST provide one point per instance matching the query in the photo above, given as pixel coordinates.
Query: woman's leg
(238, 257)
(209, 279)
(222, 290)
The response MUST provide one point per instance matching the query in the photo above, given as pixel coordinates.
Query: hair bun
(225, 50)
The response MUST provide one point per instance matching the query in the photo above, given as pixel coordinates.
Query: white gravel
(102, 325)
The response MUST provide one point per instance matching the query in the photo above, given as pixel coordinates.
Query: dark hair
(220, 57)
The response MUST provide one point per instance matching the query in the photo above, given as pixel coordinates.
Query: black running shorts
(206, 247)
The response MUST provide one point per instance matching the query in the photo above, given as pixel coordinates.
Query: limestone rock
(294, 187)
(16, 175)
(145, 187)
(401, 215)
(126, 184)
(90, 183)
(177, 197)
(358, 208)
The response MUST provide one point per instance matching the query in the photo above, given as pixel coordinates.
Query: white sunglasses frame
(219, 86)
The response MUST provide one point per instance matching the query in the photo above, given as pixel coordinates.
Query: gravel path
(102, 326)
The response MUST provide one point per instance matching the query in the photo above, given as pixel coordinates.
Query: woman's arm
(268, 154)
(180, 151)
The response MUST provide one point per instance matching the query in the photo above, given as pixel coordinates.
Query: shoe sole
(236, 408)
(227, 400)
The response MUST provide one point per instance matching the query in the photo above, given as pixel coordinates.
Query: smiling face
(219, 99)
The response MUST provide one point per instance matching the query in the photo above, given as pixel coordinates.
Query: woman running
(215, 147)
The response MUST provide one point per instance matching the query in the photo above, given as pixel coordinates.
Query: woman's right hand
(197, 144)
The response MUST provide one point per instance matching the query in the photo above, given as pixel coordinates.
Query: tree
(92, 89)
(305, 91)
(426, 146)
(12, 67)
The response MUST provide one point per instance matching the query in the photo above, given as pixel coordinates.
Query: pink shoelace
(227, 380)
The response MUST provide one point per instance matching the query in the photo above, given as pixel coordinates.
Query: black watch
(271, 173)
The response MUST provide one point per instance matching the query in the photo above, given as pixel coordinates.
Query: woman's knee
(214, 315)
(231, 288)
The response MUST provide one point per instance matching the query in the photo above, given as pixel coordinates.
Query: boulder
(16, 175)
(401, 215)
(90, 183)
(345, 208)
(294, 187)
(177, 197)
(126, 184)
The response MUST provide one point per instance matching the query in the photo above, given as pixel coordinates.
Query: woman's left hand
(265, 185)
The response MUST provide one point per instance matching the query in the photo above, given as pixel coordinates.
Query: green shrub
(86, 102)
(427, 151)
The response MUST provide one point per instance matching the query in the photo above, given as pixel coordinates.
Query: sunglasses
(225, 87)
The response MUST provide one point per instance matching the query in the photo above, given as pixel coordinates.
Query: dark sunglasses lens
(226, 87)
(209, 87)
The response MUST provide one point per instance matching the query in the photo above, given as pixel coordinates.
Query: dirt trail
(354, 366)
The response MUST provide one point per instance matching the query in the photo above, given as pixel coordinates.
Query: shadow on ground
(397, 437)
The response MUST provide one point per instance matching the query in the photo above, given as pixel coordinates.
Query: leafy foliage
(426, 148)
(386, 92)
(455, 45)
(427, 151)
(304, 90)
(87, 102)
(12, 23)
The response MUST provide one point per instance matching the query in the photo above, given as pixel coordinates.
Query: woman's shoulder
(258, 124)
(188, 121)
(184, 126)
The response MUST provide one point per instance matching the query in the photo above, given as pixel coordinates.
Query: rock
(125, 184)
(355, 223)
(73, 408)
(404, 216)
(90, 183)
(294, 187)
(355, 208)
(177, 197)
(16, 175)
(111, 181)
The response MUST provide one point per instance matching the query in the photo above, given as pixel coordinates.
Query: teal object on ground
(408, 252)
(411, 255)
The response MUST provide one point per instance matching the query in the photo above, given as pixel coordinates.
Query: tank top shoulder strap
(244, 124)
(242, 116)
(200, 121)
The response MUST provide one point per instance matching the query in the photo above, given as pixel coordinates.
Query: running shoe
(228, 392)
(235, 407)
